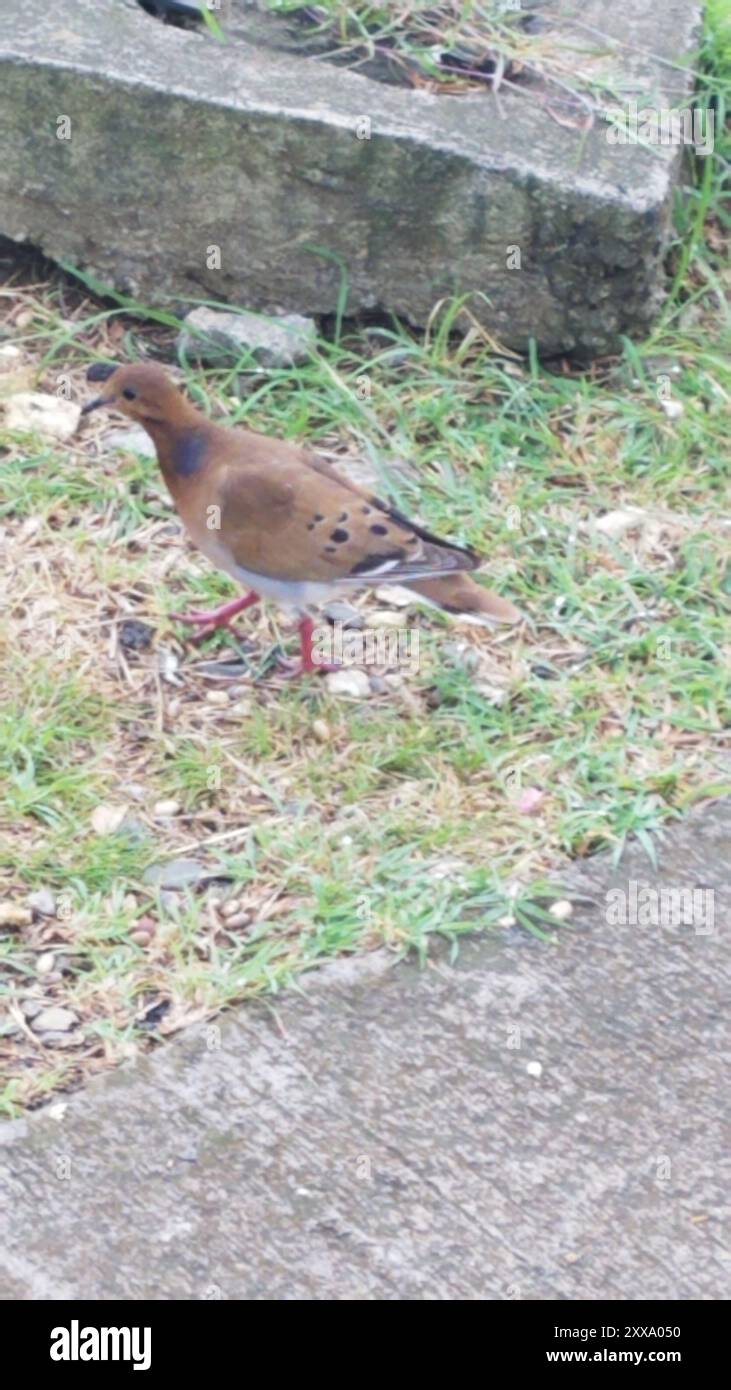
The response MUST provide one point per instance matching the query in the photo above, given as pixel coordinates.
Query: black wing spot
(330, 549)
(339, 535)
(318, 517)
(379, 530)
(343, 516)
(366, 510)
(310, 526)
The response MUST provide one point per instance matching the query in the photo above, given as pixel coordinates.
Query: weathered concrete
(382, 1136)
(179, 144)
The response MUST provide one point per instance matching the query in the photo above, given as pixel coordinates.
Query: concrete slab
(174, 167)
(534, 1122)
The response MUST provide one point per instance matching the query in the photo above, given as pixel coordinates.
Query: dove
(280, 520)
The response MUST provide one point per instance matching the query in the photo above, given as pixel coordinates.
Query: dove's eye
(129, 394)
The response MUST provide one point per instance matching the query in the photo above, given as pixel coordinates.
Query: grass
(575, 71)
(328, 827)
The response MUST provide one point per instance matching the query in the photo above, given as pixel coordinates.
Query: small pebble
(129, 902)
(341, 612)
(348, 682)
(55, 1037)
(166, 808)
(321, 730)
(494, 694)
(31, 1007)
(132, 441)
(175, 873)
(561, 910)
(462, 655)
(45, 963)
(230, 908)
(106, 820)
(140, 936)
(217, 697)
(135, 636)
(239, 919)
(506, 921)
(534, 1069)
(54, 1020)
(530, 800)
(42, 902)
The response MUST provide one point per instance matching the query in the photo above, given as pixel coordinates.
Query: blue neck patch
(189, 454)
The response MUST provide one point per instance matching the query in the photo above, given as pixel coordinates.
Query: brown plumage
(277, 517)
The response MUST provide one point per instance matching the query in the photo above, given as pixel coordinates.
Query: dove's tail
(460, 594)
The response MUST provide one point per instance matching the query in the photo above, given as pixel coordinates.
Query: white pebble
(562, 909)
(239, 919)
(54, 1020)
(217, 697)
(534, 1069)
(349, 682)
(42, 902)
(166, 808)
(106, 820)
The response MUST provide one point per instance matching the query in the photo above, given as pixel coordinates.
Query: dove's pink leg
(306, 666)
(212, 618)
